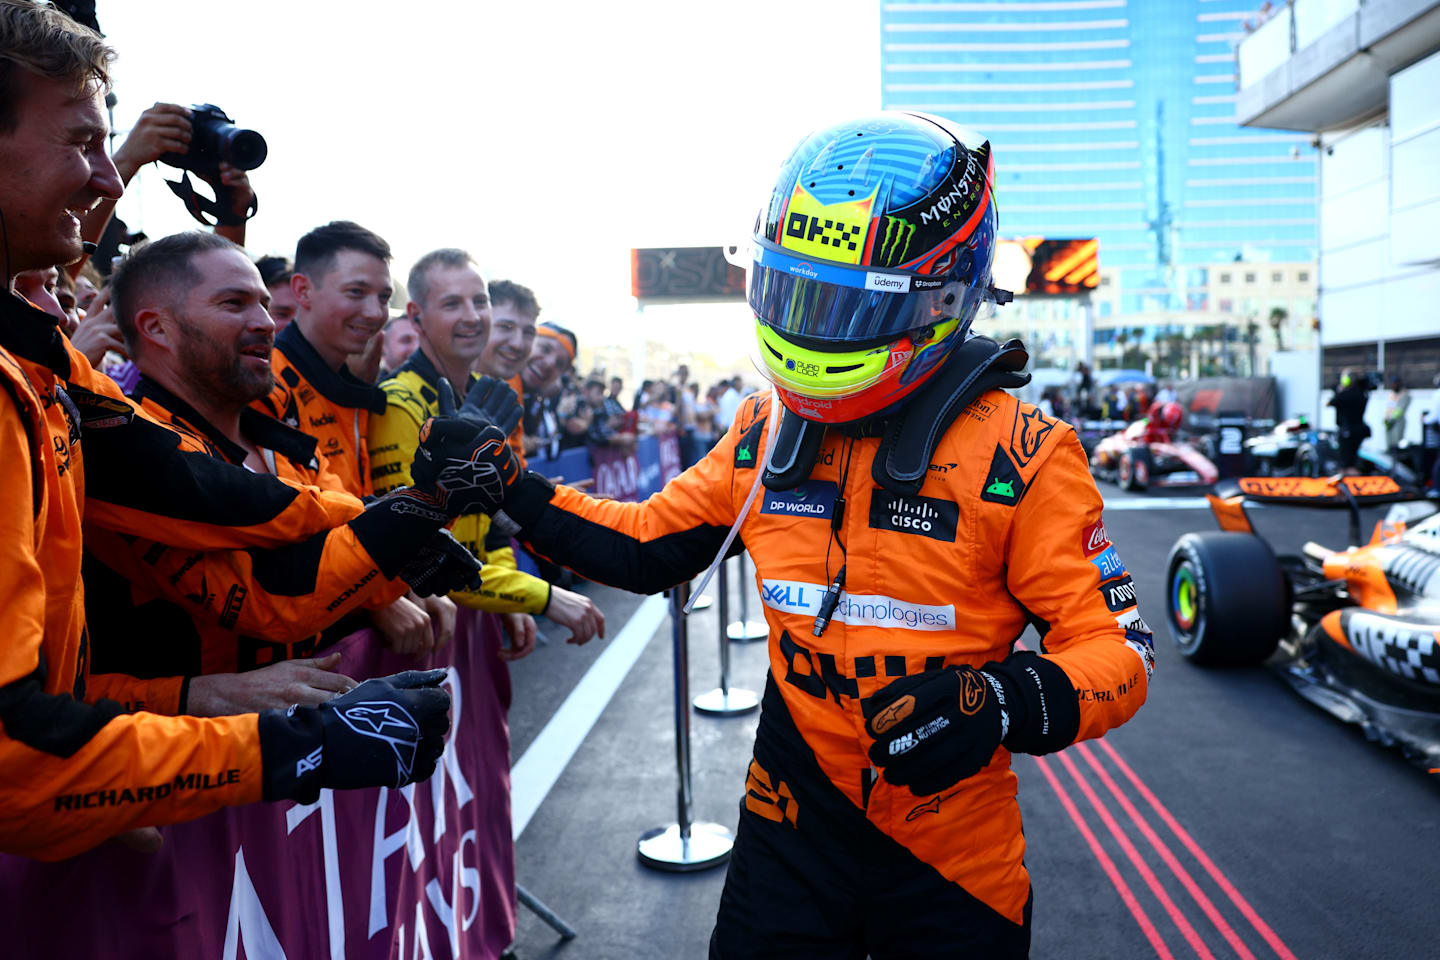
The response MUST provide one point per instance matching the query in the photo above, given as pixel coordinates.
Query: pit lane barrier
(687, 844)
(744, 630)
(725, 700)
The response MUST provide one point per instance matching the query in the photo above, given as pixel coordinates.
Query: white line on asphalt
(535, 773)
(1158, 503)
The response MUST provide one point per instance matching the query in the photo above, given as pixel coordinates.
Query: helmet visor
(829, 303)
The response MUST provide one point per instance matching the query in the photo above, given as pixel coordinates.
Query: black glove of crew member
(461, 466)
(442, 565)
(492, 401)
(936, 728)
(387, 732)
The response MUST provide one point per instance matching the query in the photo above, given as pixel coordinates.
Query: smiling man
(451, 307)
(513, 312)
(342, 288)
(76, 767)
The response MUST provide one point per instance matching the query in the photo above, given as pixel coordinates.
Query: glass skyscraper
(1115, 119)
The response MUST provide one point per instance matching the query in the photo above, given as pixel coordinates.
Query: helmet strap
(793, 452)
(912, 434)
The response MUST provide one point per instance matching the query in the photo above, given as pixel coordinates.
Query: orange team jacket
(74, 771)
(162, 611)
(1006, 531)
(333, 407)
(517, 436)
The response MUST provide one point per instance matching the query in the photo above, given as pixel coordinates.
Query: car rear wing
(1228, 501)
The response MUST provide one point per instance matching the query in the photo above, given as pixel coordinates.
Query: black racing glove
(461, 466)
(492, 401)
(442, 565)
(387, 732)
(936, 728)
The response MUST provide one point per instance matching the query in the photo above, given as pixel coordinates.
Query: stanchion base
(664, 849)
(703, 602)
(727, 703)
(745, 631)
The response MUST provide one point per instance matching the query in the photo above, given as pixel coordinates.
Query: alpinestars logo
(307, 763)
(390, 723)
(896, 242)
(469, 475)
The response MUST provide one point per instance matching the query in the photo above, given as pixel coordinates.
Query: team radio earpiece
(89, 247)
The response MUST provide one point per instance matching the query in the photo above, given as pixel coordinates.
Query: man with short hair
(76, 769)
(402, 338)
(275, 273)
(513, 315)
(451, 308)
(342, 287)
(192, 309)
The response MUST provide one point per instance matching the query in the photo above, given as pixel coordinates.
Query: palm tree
(1278, 316)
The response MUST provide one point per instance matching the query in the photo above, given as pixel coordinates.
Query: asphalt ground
(1229, 818)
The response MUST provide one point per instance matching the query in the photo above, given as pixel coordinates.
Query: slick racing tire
(1309, 462)
(1133, 472)
(1227, 599)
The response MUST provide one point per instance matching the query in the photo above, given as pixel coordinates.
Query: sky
(546, 138)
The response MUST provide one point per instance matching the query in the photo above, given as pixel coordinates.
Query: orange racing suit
(1006, 531)
(334, 407)
(73, 773)
(198, 612)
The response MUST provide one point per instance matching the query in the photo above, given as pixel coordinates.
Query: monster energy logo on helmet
(898, 233)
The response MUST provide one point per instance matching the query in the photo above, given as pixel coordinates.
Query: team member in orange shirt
(192, 310)
(513, 312)
(342, 284)
(74, 772)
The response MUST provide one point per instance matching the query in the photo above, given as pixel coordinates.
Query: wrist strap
(1044, 710)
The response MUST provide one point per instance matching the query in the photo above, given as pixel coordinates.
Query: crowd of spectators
(590, 411)
(279, 416)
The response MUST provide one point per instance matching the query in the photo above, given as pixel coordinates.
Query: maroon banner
(424, 871)
(617, 474)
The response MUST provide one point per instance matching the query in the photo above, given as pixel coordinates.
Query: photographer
(164, 129)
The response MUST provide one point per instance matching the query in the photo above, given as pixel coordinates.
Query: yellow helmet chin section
(813, 373)
(833, 231)
(823, 374)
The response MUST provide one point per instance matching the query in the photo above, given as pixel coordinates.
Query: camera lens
(245, 149)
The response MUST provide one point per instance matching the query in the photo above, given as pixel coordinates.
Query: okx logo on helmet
(870, 262)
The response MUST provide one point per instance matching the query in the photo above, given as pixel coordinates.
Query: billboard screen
(680, 274)
(1046, 266)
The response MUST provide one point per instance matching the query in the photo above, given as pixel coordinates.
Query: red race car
(1148, 454)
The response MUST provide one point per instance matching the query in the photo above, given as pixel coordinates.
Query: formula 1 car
(1355, 631)
(1135, 461)
(1294, 449)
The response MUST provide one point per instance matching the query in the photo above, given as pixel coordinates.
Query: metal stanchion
(725, 701)
(684, 845)
(743, 629)
(550, 917)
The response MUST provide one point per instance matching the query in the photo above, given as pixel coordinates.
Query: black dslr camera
(214, 139)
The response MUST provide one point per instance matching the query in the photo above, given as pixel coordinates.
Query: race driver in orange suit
(75, 770)
(910, 520)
